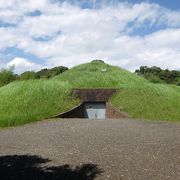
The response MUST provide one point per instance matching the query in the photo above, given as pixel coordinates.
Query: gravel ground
(91, 149)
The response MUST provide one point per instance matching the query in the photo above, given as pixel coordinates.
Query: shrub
(28, 75)
(97, 61)
(156, 74)
(48, 73)
(7, 76)
(153, 78)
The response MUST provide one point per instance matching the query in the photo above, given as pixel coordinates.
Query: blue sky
(47, 33)
(171, 4)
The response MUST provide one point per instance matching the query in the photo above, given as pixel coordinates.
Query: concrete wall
(94, 95)
(114, 113)
(77, 112)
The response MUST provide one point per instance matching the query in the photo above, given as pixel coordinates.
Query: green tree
(28, 75)
(7, 76)
(157, 75)
(48, 73)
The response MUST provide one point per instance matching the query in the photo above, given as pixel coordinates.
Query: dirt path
(82, 149)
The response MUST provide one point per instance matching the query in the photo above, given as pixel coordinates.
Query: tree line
(8, 75)
(153, 74)
(158, 75)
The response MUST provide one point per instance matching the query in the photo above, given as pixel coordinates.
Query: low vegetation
(137, 96)
(7, 75)
(158, 75)
(26, 101)
(49, 73)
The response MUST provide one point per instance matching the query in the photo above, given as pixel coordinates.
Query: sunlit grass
(28, 101)
(137, 96)
(153, 102)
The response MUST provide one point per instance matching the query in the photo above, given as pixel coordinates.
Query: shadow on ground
(26, 167)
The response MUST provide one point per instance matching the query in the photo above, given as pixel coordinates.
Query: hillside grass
(153, 102)
(138, 97)
(32, 100)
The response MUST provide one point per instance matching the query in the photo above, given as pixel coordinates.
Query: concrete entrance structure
(95, 110)
(94, 95)
(94, 105)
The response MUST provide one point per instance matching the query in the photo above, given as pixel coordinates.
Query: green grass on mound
(137, 96)
(90, 75)
(27, 101)
(151, 101)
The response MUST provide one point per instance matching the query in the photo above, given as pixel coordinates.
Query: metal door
(95, 110)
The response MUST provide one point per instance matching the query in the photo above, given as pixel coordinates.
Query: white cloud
(22, 65)
(78, 35)
(13, 11)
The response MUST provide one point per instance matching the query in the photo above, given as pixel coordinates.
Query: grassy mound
(137, 96)
(27, 101)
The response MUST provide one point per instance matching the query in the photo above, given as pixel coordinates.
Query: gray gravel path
(96, 149)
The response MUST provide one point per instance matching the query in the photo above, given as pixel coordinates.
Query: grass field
(28, 101)
(137, 96)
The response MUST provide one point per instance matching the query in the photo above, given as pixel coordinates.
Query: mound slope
(27, 101)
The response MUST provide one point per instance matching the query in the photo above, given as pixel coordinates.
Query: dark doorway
(93, 105)
(95, 110)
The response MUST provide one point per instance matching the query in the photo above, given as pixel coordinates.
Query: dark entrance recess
(94, 105)
(95, 110)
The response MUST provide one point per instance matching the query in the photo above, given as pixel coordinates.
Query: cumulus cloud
(67, 34)
(22, 65)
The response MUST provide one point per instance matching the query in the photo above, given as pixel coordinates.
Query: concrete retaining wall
(114, 113)
(77, 112)
(93, 95)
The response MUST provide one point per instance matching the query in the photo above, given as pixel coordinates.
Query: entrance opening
(93, 105)
(95, 110)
